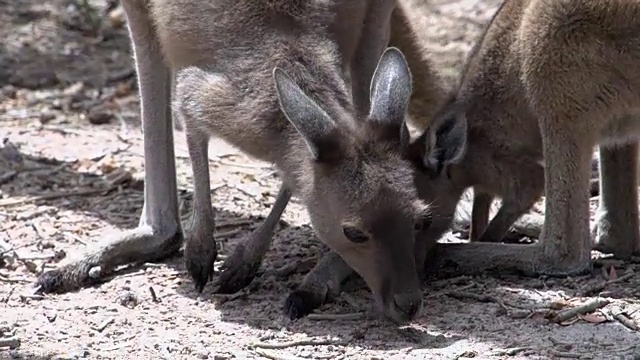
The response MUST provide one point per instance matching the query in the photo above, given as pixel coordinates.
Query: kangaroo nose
(408, 302)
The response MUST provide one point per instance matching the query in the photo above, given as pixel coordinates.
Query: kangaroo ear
(390, 92)
(314, 125)
(445, 142)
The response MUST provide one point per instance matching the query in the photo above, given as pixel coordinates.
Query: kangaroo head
(433, 155)
(358, 188)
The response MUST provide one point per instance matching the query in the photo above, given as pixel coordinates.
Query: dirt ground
(70, 170)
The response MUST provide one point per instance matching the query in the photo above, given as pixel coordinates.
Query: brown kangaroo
(548, 81)
(306, 85)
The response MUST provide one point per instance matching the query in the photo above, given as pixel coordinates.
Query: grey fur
(548, 81)
(347, 167)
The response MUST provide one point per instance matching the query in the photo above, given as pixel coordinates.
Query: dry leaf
(123, 89)
(31, 266)
(594, 318)
(604, 273)
(613, 274)
(84, 165)
(558, 304)
(106, 165)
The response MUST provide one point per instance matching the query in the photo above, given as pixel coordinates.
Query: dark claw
(235, 278)
(301, 303)
(200, 268)
(237, 271)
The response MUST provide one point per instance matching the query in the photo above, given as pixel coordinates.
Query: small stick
(223, 298)
(451, 281)
(57, 195)
(154, 297)
(24, 297)
(460, 295)
(6, 299)
(246, 166)
(123, 343)
(228, 234)
(104, 325)
(447, 292)
(12, 280)
(239, 222)
(10, 342)
(74, 237)
(581, 309)
(563, 354)
(344, 317)
(8, 176)
(618, 314)
(273, 356)
(598, 287)
(309, 342)
(35, 257)
(557, 342)
(511, 351)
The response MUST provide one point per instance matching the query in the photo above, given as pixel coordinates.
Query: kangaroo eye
(423, 223)
(354, 234)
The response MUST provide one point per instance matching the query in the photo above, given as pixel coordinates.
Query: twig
(596, 288)
(563, 354)
(446, 292)
(25, 297)
(37, 229)
(35, 257)
(557, 342)
(6, 299)
(12, 280)
(618, 314)
(154, 297)
(246, 166)
(527, 313)
(10, 342)
(461, 295)
(52, 196)
(511, 351)
(74, 237)
(451, 281)
(223, 298)
(8, 176)
(481, 298)
(581, 309)
(104, 325)
(239, 222)
(273, 356)
(309, 342)
(344, 317)
(228, 234)
(124, 342)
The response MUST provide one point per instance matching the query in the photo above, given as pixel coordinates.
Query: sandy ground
(70, 169)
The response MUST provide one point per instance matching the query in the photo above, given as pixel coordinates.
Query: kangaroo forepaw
(238, 270)
(301, 303)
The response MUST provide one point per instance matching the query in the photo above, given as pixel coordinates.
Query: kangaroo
(323, 282)
(548, 81)
(307, 86)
